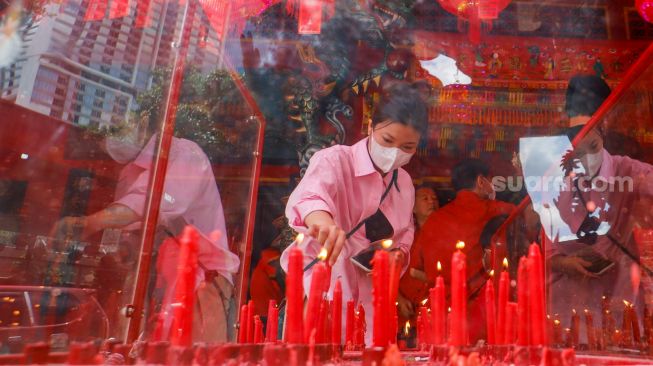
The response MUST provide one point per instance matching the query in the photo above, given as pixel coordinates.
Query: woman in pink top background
(343, 188)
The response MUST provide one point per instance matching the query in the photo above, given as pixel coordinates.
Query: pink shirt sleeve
(315, 192)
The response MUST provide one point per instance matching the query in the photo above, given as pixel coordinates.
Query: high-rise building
(89, 72)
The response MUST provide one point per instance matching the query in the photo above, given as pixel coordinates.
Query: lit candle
(504, 291)
(589, 328)
(420, 332)
(490, 312)
(182, 321)
(294, 332)
(361, 326)
(438, 308)
(459, 296)
(627, 326)
(536, 296)
(336, 314)
(315, 297)
(557, 332)
(575, 328)
(522, 302)
(349, 325)
(426, 323)
(273, 320)
(635, 321)
(380, 277)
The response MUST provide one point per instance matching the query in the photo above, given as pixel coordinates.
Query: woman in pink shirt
(351, 196)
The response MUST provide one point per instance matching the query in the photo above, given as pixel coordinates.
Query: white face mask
(122, 150)
(387, 158)
(592, 163)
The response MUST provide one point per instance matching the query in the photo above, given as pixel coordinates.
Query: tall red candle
(321, 322)
(420, 332)
(316, 294)
(380, 277)
(336, 314)
(589, 328)
(393, 290)
(536, 296)
(182, 321)
(504, 291)
(250, 322)
(490, 313)
(361, 326)
(349, 324)
(273, 322)
(426, 324)
(458, 296)
(522, 302)
(294, 332)
(575, 328)
(438, 311)
(635, 321)
(242, 324)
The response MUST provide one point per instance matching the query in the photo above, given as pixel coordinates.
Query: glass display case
(130, 127)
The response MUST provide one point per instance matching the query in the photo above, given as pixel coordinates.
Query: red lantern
(474, 11)
(645, 9)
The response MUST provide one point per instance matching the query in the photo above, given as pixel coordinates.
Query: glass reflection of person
(190, 196)
(598, 209)
(342, 192)
(413, 287)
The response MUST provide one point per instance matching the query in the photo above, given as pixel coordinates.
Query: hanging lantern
(474, 11)
(645, 9)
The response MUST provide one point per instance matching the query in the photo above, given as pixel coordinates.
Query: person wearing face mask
(190, 196)
(352, 196)
(464, 218)
(599, 211)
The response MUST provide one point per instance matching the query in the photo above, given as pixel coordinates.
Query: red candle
(393, 288)
(627, 327)
(635, 321)
(420, 332)
(458, 297)
(321, 322)
(258, 329)
(349, 326)
(438, 314)
(182, 321)
(490, 312)
(336, 314)
(380, 276)
(589, 328)
(575, 328)
(250, 322)
(426, 324)
(522, 302)
(511, 320)
(316, 294)
(536, 296)
(242, 324)
(557, 333)
(273, 322)
(361, 326)
(504, 290)
(294, 332)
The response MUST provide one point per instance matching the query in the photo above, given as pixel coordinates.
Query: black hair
(465, 173)
(585, 94)
(403, 103)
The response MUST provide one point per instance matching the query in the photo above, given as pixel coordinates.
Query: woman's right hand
(322, 227)
(405, 307)
(572, 266)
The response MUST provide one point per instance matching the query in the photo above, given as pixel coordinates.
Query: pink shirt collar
(362, 161)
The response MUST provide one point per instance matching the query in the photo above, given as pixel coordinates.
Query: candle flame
(492, 273)
(299, 238)
(323, 254)
(586, 311)
(556, 322)
(460, 245)
(603, 297)
(407, 329)
(386, 243)
(573, 311)
(424, 301)
(617, 331)
(396, 303)
(505, 264)
(439, 266)
(449, 309)
(626, 303)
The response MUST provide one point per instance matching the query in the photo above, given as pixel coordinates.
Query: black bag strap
(393, 181)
